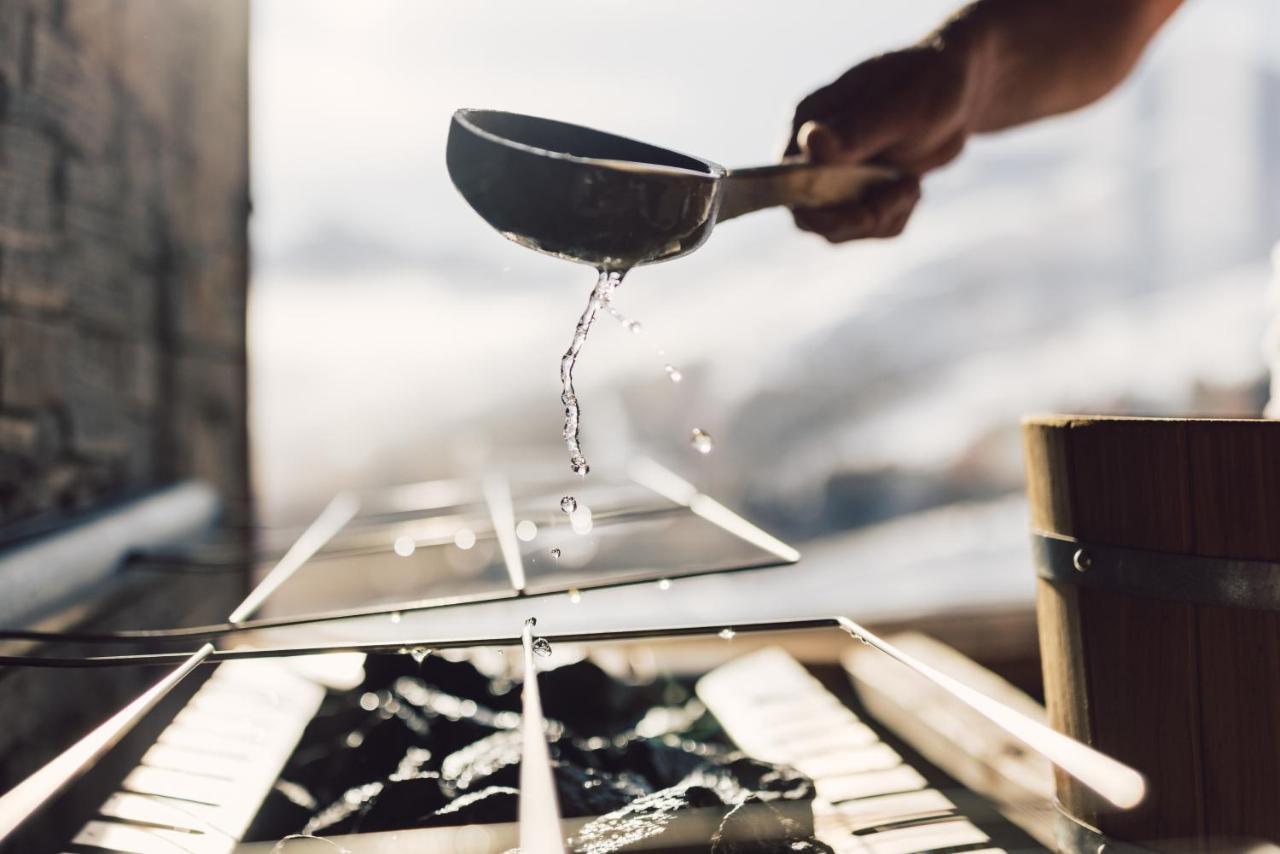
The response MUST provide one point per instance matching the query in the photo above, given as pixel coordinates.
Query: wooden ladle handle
(797, 183)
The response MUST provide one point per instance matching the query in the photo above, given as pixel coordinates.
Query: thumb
(850, 142)
(819, 142)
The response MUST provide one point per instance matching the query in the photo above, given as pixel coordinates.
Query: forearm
(996, 64)
(1027, 59)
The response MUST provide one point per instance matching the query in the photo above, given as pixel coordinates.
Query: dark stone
(487, 806)
(682, 818)
(591, 702)
(402, 752)
(758, 827)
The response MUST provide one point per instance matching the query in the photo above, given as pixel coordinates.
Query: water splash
(279, 847)
(417, 653)
(634, 327)
(854, 633)
(600, 295)
(701, 441)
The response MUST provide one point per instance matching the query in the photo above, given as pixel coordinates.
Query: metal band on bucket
(1158, 575)
(1076, 837)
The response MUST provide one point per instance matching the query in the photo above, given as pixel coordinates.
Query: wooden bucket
(1159, 616)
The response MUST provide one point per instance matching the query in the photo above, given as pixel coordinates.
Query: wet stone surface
(437, 743)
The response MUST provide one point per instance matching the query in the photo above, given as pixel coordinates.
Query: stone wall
(123, 249)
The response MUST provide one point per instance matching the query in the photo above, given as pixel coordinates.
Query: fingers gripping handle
(797, 183)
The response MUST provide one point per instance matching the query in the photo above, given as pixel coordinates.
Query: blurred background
(1111, 261)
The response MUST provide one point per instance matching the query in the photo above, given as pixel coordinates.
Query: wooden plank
(1057, 606)
(1128, 482)
(953, 736)
(1048, 474)
(1235, 473)
(1144, 704)
(1062, 662)
(1124, 671)
(1240, 709)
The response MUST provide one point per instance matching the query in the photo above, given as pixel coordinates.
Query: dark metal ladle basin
(613, 202)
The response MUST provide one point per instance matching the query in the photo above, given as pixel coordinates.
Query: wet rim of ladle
(462, 117)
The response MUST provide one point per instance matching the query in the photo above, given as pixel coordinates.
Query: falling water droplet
(575, 595)
(727, 634)
(673, 373)
(600, 297)
(664, 584)
(405, 546)
(568, 504)
(634, 327)
(531, 621)
(555, 553)
(541, 647)
(396, 616)
(701, 441)
(526, 530)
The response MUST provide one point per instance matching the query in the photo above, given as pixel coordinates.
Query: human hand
(907, 110)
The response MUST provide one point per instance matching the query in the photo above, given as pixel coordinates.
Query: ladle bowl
(613, 202)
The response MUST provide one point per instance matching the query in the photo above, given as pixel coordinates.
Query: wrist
(966, 46)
